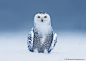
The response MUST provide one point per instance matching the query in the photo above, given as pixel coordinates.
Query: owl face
(42, 18)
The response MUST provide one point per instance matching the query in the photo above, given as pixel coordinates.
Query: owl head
(42, 18)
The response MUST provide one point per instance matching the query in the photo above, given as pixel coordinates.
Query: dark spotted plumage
(37, 41)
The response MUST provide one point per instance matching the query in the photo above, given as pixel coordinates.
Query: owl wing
(30, 40)
(53, 43)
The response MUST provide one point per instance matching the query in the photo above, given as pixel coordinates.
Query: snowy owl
(41, 37)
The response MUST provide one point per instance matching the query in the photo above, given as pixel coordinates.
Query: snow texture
(70, 45)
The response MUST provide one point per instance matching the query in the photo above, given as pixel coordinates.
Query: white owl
(41, 37)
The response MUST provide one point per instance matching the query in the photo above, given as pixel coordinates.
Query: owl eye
(38, 16)
(45, 16)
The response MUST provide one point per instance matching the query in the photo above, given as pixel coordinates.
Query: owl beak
(41, 20)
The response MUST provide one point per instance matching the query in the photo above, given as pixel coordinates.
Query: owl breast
(41, 42)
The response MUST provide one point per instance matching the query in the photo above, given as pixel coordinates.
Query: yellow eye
(38, 16)
(45, 16)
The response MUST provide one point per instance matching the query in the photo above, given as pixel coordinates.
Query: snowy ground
(70, 45)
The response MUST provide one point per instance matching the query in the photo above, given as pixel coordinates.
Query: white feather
(44, 28)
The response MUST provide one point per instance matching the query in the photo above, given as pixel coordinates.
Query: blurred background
(66, 15)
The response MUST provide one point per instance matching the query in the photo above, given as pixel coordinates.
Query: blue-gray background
(17, 15)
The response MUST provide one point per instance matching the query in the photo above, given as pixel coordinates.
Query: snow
(70, 45)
